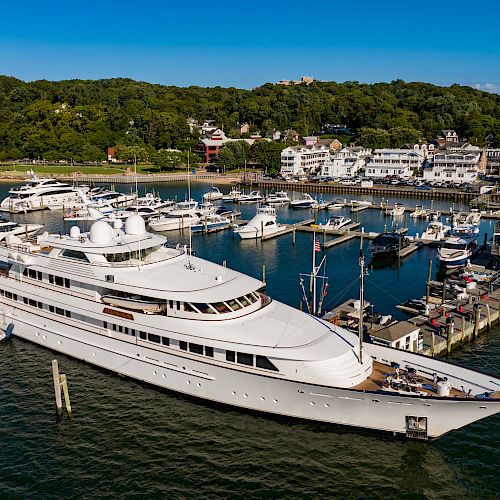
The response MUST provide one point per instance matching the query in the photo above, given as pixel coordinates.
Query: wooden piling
(477, 318)
(261, 230)
(488, 313)
(463, 330)
(264, 274)
(449, 333)
(57, 387)
(64, 385)
(293, 236)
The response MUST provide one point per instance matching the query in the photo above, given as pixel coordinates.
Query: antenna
(189, 198)
(136, 187)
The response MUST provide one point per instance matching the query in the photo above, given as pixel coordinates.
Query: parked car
(423, 187)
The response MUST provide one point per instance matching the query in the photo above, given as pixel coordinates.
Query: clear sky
(245, 44)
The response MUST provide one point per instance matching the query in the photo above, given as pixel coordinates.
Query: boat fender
(7, 332)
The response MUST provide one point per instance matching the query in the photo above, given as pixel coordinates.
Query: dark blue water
(131, 440)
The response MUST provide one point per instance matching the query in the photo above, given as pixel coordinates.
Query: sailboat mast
(361, 298)
(189, 201)
(314, 272)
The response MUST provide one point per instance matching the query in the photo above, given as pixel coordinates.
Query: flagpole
(314, 276)
(361, 298)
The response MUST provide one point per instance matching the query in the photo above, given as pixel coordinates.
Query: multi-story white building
(455, 166)
(398, 162)
(346, 163)
(303, 160)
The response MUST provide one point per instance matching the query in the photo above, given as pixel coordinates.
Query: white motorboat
(323, 204)
(435, 232)
(207, 208)
(210, 223)
(262, 224)
(473, 217)
(336, 205)
(278, 198)
(361, 203)
(337, 222)
(88, 213)
(233, 196)
(23, 230)
(252, 197)
(104, 197)
(171, 221)
(420, 212)
(213, 195)
(39, 194)
(121, 299)
(307, 201)
(397, 210)
(460, 247)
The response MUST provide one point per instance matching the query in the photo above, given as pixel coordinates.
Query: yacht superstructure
(120, 298)
(39, 194)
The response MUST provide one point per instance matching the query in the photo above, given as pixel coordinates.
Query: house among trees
(303, 160)
(455, 166)
(394, 162)
(446, 137)
(332, 144)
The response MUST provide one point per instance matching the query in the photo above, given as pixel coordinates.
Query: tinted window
(230, 356)
(263, 362)
(209, 351)
(153, 338)
(221, 307)
(74, 254)
(165, 341)
(245, 359)
(32, 273)
(59, 281)
(183, 345)
(196, 348)
(142, 335)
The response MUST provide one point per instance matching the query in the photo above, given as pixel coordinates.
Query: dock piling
(477, 318)
(57, 387)
(264, 274)
(64, 385)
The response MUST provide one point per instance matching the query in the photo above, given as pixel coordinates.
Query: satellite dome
(135, 225)
(74, 232)
(100, 232)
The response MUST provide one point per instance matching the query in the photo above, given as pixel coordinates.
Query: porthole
(275, 400)
(262, 398)
(154, 373)
(93, 354)
(376, 400)
(59, 342)
(164, 376)
(245, 395)
(300, 391)
(198, 384)
(233, 393)
(483, 407)
(312, 403)
(327, 405)
(188, 382)
(427, 404)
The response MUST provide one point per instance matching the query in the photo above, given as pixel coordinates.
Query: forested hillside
(79, 119)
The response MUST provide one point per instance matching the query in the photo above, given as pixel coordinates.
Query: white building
(397, 162)
(455, 166)
(401, 335)
(303, 160)
(346, 163)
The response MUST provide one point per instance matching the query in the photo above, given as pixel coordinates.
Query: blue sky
(231, 43)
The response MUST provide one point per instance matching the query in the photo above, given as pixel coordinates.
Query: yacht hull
(188, 374)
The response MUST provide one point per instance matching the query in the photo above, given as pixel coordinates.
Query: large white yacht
(119, 298)
(39, 194)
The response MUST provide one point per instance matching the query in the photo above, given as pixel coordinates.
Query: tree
(172, 160)
(268, 153)
(233, 155)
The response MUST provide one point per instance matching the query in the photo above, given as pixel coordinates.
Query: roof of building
(395, 331)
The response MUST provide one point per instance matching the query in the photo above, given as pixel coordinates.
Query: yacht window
(153, 338)
(32, 274)
(59, 280)
(269, 223)
(51, 309)
(209, 351)
(244, 301)
(188, 307)
(39, 305)
(68, 314)
(105, 324)
(196, 348)
(59, 311)
(221, 307)
(230, 356)
(39, 275)
(165, 341)
(178, 305)
(235, 306)
(25, 300)
(67, 283)
(263, 362)
(74, 254)
(183, 345)
(251, 298)
(171, 304)
(120, 328)
(142, 335)
(245, 359)
(32, 302)
(204, 308)
(126, 331)
(51, 279)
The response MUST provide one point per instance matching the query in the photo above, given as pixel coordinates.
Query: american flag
(317, 246)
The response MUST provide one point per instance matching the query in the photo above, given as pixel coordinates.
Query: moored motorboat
(388, 245)
(262, 224)
(337, 222)
(252, 197)
(307, 201)
(210, 223)
(460, 247)
(213, 195)
(435, 232)
(278, 198)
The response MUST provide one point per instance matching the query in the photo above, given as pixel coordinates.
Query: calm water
(128, 439)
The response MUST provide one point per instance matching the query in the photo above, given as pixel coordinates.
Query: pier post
(57, 387)
(463, 330)
(293, 235)
(432, 344)
(264, 274)
(477, 318)
(64, 385)
(261, 230)
(488, 312)
(224, 263)
(449, 333)
(443, 298)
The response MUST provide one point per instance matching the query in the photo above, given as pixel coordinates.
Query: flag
(317, 246)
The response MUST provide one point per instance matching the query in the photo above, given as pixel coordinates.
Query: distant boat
(278, 198)
(398, 210)
(337, 222)
(420, 212)
(459, 248)
(435, 232)
(307, 201)
(253, 197)
(210, 223)
(213, 195)
(233, 195)
(262, 224)
(388, 245)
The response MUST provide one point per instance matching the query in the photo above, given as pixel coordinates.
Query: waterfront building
(454, 166)
(303, 160)
(492, 157)
(447, 137)
(400, 335)
(332, 144)
(396, 162)
(346, 163)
